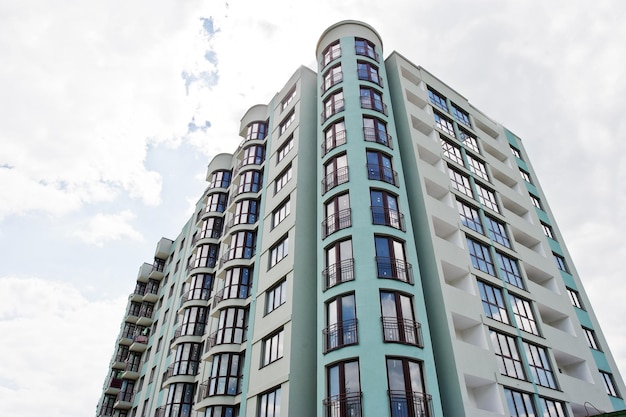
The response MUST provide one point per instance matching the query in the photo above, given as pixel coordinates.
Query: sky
(110, 111)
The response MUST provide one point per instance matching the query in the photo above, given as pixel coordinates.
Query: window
(180, 399)
(460, 182)
(332, 77)
(200, 287)
(341, 323)
(469, 217)
(523, 313)
(509, 270)
(338, 215)
(469, 140)
(609, 384)
(443, 123)
(269, 404)
(284, 149)
(256, 130)
(186, 360)
(574, 297)
(509, 361)
(273, 348)
(560, 262)
(592, 342)
(242, 245)
(194, 321)
(246, 212)
(220, 179)
(282, 128)
(526, 176)
(540, 368)
(437, 99)
(231, 326)
(334, 135)
(333, 105)
(480, 256)
(372, 99)
(279, 251)
(343, 390)
(335, 172)
(398, 319)
(375, 130)
(152, 372)
(339, 264)
(222, 411)
(206, 256)
(250, 182)
(159, 343)
(487, 198)
(368, 72)
(288, 99)
(237, 283)
(516, 152)
(519, 404)
(493, 302)
(216, 202)
(384, 206)
(547, 230)
(497, 231)
(460, 115)
(451, 151)
(365, 48)
(478, 168)
(226, 374)
(552, 408)
(253, 155)
(390, 259)
(281, 213)
(536, 202)
(282, 179)
(211, 228)
(407, 396)
(330, 53)
(379, 168)
(276, 296)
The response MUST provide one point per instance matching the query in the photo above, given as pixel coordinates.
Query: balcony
(200, 294)
(341, 334)
(144, 272)
(346, 405)
(331, 81)
(371, 134)
(226, 336)
(338, 273)
(392, 268)
(158, 267)
(113, 386)
(140, 343)
(332, 108)
(192, 329)
(124, 400)
(410, 404)
(399, 330)
(188, 368)
(373, 104)
(337, 139)
(387, 217)
(145, 316)
(241, 219)
(340, 220)
(335, 178)
(151, 295)
(382, 173)
(232, 292)
(239, 252)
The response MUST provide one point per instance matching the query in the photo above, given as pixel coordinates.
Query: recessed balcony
(113, 386)
(124, 400)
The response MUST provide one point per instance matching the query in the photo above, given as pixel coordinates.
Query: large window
(282, 128)
(200, 287)
(341, 323)
(379, 168)
(540, 368)
(279, 251)
(478, 168)
(187, 359)
(437, 99)
(256, 130)
(519, 404)
(368, 72)
(391, 260)
(330, 53)
(487, 197)
(253, 155)
(444, 124)
(226, 374)
(469, 140)
(451, 151)
(343, 390)
(509, 270)
(338, 215)
(560, 262)
(365, 48)
(220, 179)
(273, 347)
(333, 105)
(250, 182)
(281, 213)
(283, 179)
(211, 228)
(339, 264)
(493, 302)
(206, 256)
(497, 231)
(375, 130)
(246, 212)
(242, 245)
(469, 217)
(276, 296)
(222, 411)
(609, 384)
(523, 313)
(333, 76)
(460, 182)
(407, 397)
(194, 321)
(372, 99)
(334, 135)
(398, 318)
(385, 210)
(552, 408)
(269, 404)
(231, 326)
(216, 202)
(509, 360)
(592, 341)
(180, 398)
(336, 172)
(237, 283)
(284, 149)
(460, 115)
(480, 256)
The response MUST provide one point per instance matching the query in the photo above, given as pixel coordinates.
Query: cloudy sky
(110, 111)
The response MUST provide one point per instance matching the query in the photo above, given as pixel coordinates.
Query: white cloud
(106, 227)
(56, 346)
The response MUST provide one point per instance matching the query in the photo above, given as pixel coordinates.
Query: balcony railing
(338, 273)
(345, 405)
(332, 108)
(243, 218)
(340, 220)
(238, 252)
(226, 335)
(340, 334)
(197, 330)
(387, 217)
(182, 368)
(399, 330)
(373, 104)
(392, 268)
(371, 134)
(335, 178)
(337, 139)
(382, 173)
(126, 396)
(334, 79)
(196, 294)
(410, 404)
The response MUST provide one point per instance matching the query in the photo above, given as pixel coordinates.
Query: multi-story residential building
(375, 246)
